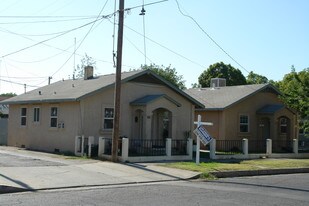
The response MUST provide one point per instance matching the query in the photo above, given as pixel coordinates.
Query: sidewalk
(22, 170)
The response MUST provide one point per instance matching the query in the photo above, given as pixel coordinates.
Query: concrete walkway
(22, 170)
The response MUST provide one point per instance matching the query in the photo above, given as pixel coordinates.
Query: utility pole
(118, 84)
(25, 88)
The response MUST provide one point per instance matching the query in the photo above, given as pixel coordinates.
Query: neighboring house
(50, 117)
(4, 108)
(4, 113)
(254, 112)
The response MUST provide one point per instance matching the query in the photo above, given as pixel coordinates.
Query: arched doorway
(284, 141)
(161, 124)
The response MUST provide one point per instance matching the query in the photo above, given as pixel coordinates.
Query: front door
(161, 124)
(265, 129)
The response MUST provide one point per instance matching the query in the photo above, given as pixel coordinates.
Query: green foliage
(195, 85)
(168, 73)
(254, 78)
(232, 75)
(8, 94)
(295, 89)
(85, 61)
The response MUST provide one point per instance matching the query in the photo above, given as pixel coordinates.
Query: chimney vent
(88, 72)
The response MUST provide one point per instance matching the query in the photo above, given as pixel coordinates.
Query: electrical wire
(13, 82)
(144, 30)
(161, 45)
(98, 17)
(28, 47)
(190, 17)
(138, 50)
(41, 60)
(156, 2)
(50, 21)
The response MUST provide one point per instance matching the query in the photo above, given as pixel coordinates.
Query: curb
(8, 189)
(244, 173)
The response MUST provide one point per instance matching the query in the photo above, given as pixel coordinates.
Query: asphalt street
(280, 190)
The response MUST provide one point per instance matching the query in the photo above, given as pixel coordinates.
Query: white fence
(268, 153)
(155, 153)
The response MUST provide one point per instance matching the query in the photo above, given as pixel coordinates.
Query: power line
(50, 21)
(23, 77)
(93, 23)
(190, 17)
(28, 47)
(47, 17)
(138, 50)
(161, 45)
(13, 82)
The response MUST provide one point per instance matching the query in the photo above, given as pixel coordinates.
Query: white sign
(203, 135)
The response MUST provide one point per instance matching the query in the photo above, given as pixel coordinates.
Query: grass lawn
(234, 165)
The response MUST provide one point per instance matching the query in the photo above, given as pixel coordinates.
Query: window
(244, 123)
(108, 118)
(23, 116)
(53, 116)
(283, 125)
(36, 114)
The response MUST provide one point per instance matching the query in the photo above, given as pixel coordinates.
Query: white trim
(239, 123)
(53, 116)
(23, 116)
(36, 118)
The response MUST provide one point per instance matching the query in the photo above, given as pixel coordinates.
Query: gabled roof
(75, 90)
(223, 97)
(151, 98)
(270, 109)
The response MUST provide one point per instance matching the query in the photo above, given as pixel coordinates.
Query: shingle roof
(75, 90)
(223, 97)
(67, 90)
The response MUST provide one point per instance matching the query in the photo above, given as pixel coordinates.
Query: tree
(295, 90)
(254, 78)
(168, 73)
(232, 75)
(8, 94)
(85, 61)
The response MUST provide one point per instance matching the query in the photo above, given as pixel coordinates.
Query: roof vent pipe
(88, 72)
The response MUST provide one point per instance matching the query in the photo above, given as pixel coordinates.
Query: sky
(41, 39)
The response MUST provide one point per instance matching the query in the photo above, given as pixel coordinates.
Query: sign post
(201, 135)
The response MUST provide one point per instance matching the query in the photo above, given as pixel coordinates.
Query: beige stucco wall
(40, 136)
(226, 123)
(94, 107)
(216, 118)
(86, 118)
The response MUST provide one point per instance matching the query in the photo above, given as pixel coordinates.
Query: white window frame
(244, 124)
(23, 116)
(54, 116)
(36, 114)
(105, 117)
